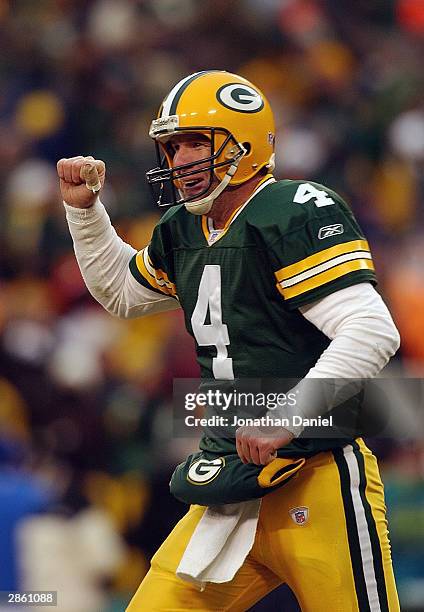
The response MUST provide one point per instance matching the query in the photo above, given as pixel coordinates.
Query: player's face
(187, 149)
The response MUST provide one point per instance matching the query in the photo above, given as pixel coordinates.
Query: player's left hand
(259, 445)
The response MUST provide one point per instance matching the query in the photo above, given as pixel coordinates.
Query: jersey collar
(211, 234)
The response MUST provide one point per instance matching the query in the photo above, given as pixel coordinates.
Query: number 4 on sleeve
(306, 192)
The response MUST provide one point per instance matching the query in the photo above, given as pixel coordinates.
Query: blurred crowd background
(86, 445)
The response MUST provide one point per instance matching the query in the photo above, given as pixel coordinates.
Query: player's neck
(231, 199)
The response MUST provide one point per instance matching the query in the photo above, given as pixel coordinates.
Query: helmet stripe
(171, 101)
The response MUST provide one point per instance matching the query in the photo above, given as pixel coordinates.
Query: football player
(276, 280)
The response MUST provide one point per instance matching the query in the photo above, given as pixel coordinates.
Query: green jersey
(241, 287)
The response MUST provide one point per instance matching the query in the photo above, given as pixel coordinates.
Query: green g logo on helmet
(240, 97)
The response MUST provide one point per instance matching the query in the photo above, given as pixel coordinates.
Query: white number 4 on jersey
(306, 192)
(214, 333)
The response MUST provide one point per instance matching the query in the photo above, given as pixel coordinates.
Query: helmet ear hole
(248, 147)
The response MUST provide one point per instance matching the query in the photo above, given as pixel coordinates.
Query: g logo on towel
(203, 471)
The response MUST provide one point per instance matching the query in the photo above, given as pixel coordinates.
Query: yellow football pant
(334, 553)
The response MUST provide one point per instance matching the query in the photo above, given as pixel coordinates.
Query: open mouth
(194, 185)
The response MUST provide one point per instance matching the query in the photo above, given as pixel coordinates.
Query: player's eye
(200, 144)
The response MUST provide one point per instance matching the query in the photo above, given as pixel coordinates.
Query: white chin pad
(200, 207)
(203, 206)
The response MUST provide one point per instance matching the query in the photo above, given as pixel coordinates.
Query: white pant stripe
(362, 527)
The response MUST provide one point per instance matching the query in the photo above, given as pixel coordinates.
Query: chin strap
(203, 206)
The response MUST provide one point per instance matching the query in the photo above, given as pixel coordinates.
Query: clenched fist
(80, 180)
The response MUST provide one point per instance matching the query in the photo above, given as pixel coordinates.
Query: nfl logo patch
(299, 515)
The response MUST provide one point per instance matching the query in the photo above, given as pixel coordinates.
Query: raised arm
(102, 256)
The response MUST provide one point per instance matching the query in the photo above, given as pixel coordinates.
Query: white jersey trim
(325, 266)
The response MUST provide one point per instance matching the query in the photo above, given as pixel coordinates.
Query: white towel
(220, 543)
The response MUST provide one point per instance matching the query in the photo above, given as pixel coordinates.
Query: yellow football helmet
(236, 118)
